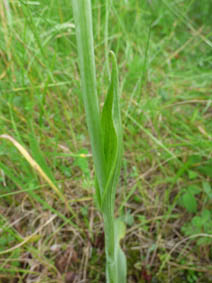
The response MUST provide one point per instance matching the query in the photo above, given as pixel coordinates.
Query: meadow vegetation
(50, 228)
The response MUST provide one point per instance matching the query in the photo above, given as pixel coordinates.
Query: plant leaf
(207, 189)
(112, 138)
(189, 202)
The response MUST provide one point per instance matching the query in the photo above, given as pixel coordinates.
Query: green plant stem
(105, 135)
(109, 230)
(84, 33)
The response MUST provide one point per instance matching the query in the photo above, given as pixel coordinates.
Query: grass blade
(35, 165)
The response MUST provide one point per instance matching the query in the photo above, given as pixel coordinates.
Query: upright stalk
(84, 33)
(106, 138)
(111, 268)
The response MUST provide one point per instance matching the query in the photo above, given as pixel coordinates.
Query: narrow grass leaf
(15, 179)
(28, 238)
(34, 165)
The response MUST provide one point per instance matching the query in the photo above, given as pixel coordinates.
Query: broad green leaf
(189, 202)
(112, 138)
(112, 141)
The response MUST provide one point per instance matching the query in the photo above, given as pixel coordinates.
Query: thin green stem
(84, 33)
(109, 230)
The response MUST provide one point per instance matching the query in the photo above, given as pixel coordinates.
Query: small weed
(189, 198)
(198, 225)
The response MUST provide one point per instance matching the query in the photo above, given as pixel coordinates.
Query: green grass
(164, 57)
